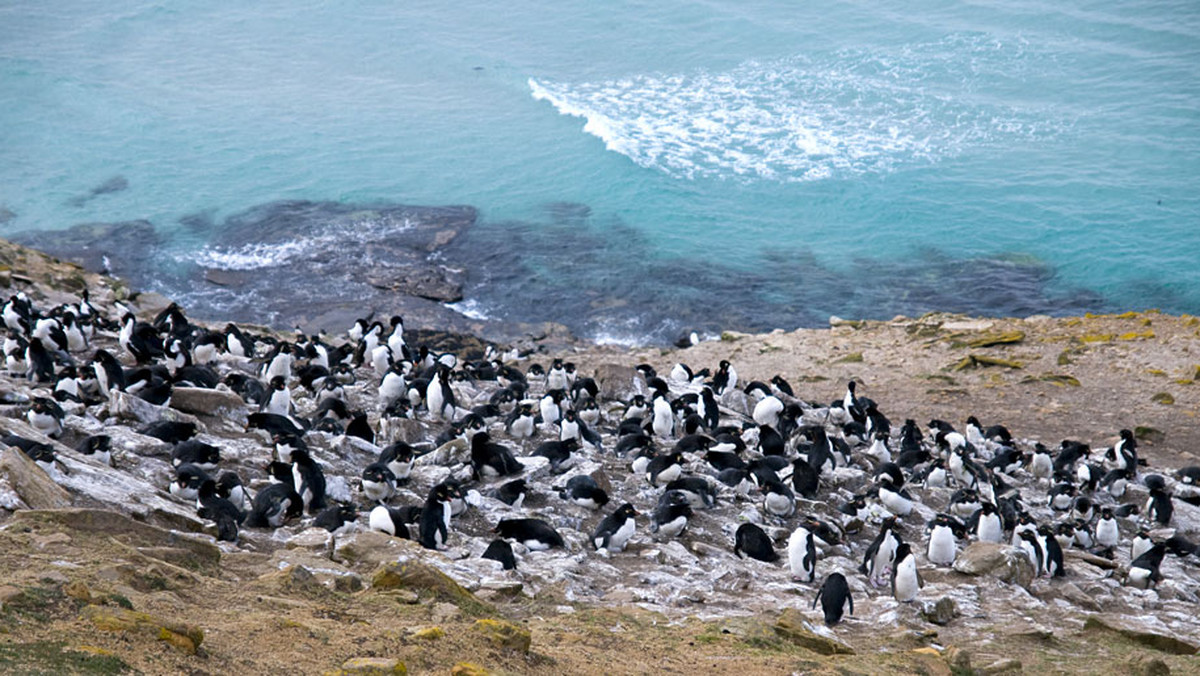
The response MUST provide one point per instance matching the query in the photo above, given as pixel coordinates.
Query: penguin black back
(834, 597)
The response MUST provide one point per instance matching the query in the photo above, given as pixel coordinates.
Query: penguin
(378, 482)
(500, 550)
(882, 552)
(1061, 496)
(1140, 545)
(614, 530)
(942, 546)
(698, 491)
(935, 476)
(556, 377)
(490, 460)
(663, 423)
(512, 493)
(805, 479)
(1033, 548)
(550, 406)
(1115, 482)
(399, 458)
(335, 516)
(671, 515)
(46, 416)
(388, 520)
(778, 499)
(708, 409)
(896, 500)
(309, 481)
(835, 598)
(725, 378)
(229, 486)
(279, 400)
(1052, 564)
(439, 397)
(1040, 464)
(1144, 570)
(558, 453)
(879, 449)
(989, 526)
(218, 509)
(434, 527)
(1108, 534)
(273, 506)
(771, 442)
(751, 541)
(1158, 506)
(583, 491)
(98, 447)
(906, 577)
(196, 452)
(1124, 453)
(169, 431)
(1024, 523)
(188, 479)
(767, 410)
(521, 422)
(39, 364)
(636, 408)
(535, 534)
(802, 555)
(664, 468)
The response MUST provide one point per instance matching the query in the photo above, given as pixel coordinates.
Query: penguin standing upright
(1108, 534)
(802, 555)
(434, 527)
(834, 597)
(439, 397)
(906, 577)
(989, 526)
(942, 546)
(664, 418)
(881, 553)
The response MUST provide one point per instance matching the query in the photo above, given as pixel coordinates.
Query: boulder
(204, 401)
(619, 382)
(427, 581)
(504, 634)
(371, 666)
(940, 613)
(792, 627)
(1140, 633)
(129, 407)
(181, 636)
(468, 669)
(1006, 563)
(30, 482)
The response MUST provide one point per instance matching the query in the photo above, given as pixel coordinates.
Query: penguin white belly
(936, 478)
(778, 504)
(381, 520)
(797, 553)
(1139, 577)
(896, 504)
(535, 545)
(990, 529)
(941, 546)
(673, 527)
(670, 473)
(618, 540)
(1041, 467)
(906, 581)
(377, 490)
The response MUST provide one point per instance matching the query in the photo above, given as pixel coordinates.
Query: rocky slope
(106, 571)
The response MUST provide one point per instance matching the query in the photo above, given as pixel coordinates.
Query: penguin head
(625, 511)
(279, 383)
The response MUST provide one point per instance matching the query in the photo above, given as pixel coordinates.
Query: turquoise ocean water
(643, 166)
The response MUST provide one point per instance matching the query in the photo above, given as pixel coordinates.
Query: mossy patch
(50, 657)
(979, 360)
(852, 358)
(1164, 398)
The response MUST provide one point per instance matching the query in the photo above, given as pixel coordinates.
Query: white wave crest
(800, 120)
(273, 254)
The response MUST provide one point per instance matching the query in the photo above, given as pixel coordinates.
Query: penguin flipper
(850, 600)
(920, 580)
(818, 597)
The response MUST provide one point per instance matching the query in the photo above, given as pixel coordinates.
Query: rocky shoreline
(101, 534)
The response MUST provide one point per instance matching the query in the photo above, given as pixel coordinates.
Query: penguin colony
(537, 453)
